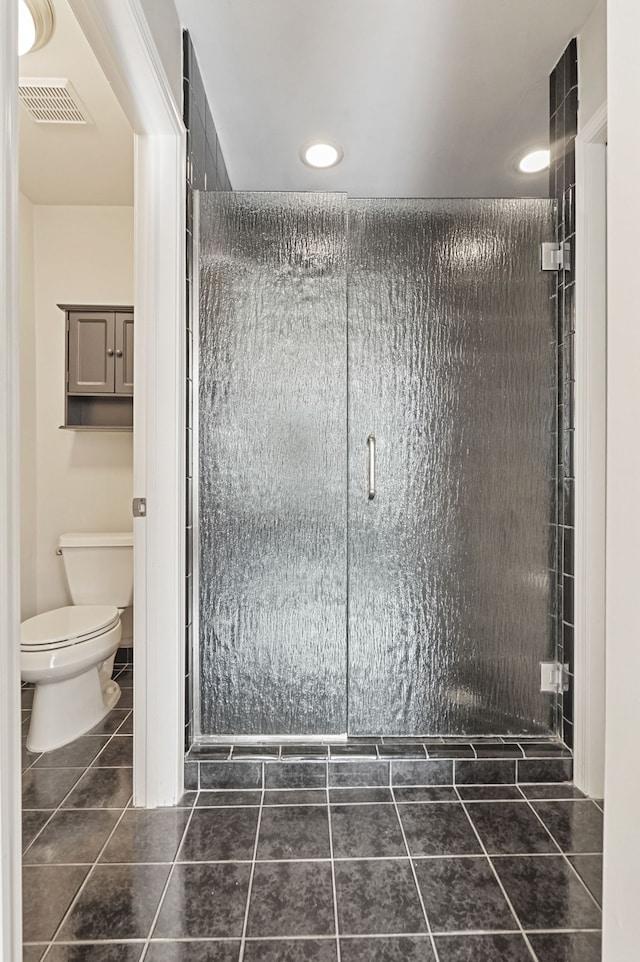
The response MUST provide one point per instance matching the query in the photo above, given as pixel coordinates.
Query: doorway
(376, 466)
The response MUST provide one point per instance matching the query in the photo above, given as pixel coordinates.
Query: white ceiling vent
(52, 100)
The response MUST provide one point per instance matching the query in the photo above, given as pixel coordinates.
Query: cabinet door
(124, 354)
(91, 352)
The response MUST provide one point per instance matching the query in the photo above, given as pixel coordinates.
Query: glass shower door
(272, 441)
(451, 371)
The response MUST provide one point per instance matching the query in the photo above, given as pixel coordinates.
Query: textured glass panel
(273, 462)
(451, 367)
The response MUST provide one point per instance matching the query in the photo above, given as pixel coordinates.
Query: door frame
(121, 39)
(10, 801)
(591, 452)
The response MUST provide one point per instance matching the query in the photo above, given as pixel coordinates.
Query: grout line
(499, 881)
(245, 923)
(333, 873)
(85, 880)
(166, 885)
(415, 882)
(63, 800)
(565, 854)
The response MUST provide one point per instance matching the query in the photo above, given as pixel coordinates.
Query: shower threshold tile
(354, 751)
(425, 793)
(349, 796)
(218, 799)
(295, 796)
(304, 751)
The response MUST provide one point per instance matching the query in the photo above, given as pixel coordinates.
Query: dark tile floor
(497, 873)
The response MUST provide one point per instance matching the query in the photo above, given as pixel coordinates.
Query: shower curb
(264, 767)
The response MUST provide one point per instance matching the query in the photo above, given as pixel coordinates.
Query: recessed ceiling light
(321, 155)
(534, 161)
(35, 24)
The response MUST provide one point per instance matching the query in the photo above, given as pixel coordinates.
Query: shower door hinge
(555, 257)
(139, 507)
(554, 676)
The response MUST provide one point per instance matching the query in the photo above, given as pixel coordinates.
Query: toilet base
(66, 709)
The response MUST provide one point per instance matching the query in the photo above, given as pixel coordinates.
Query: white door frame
(591, 453)
(10, 812)
(121, 39)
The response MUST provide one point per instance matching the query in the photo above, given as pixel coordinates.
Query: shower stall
(375, 490)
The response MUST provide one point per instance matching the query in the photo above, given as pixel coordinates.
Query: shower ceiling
(429, 98)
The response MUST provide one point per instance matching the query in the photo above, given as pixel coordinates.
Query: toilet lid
(67, 626)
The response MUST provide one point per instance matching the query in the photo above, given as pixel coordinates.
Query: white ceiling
(428, 98)
(67, 163)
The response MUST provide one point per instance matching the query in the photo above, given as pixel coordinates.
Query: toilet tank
(98, 567)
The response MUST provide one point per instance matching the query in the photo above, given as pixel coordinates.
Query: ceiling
(430, 98)
(69, 163)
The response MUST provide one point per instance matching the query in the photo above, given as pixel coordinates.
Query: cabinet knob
(118, 353)
(109, 352)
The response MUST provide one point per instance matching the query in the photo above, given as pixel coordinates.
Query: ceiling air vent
(52, 100)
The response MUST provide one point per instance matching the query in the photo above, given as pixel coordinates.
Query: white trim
(10, 813)
(590, 450)
(120, 37)
(594, 131)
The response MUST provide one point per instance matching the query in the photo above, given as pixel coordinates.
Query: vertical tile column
(563, 129)
(206, 170)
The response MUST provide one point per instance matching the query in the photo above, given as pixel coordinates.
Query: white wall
(592, 63)
(28, 470)
(622, 768)
(83, 255)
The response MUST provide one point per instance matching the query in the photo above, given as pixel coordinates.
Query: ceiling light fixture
(534, 161)
(35, 25)
(321, 155)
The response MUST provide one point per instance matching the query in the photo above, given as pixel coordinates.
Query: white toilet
(68, 653)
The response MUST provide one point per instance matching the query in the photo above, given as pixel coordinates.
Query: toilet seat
(65, 627)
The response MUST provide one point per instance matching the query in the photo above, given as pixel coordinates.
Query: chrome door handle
(109, 352)
(371, 444)
(118, 353)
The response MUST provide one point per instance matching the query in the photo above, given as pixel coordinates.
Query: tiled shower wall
(206, 170)
(564, 123)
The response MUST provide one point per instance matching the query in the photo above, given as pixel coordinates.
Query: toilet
(68, 653)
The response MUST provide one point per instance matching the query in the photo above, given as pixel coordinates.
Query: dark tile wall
(563, 129)
(206, 170)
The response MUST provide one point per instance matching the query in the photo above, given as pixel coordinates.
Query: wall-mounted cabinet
(99, 367)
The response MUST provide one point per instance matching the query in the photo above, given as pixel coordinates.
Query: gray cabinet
(99, 367)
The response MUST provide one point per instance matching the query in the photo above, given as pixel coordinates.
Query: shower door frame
(197, 737)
